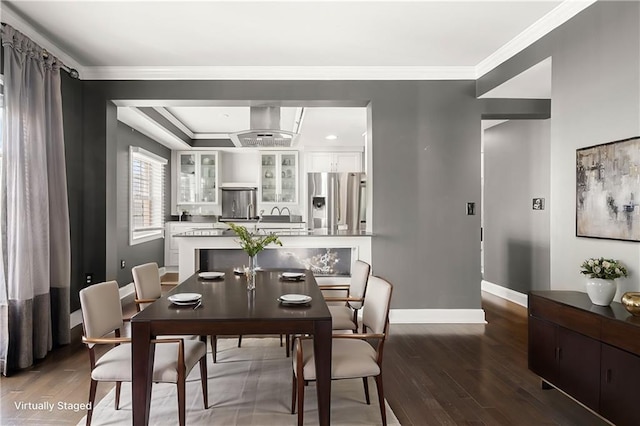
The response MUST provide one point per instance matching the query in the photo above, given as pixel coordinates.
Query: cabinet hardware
(608, 375)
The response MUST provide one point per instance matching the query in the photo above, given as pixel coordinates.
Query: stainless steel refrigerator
(334, 201)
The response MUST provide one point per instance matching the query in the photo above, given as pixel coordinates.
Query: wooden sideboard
(590, 352)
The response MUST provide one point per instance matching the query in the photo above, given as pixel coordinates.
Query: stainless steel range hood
(265, 130)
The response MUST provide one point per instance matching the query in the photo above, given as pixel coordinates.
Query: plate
(185, 298)
(211, 275)
(292, 275)
(294, 299)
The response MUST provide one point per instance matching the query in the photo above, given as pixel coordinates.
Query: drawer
(566, 316)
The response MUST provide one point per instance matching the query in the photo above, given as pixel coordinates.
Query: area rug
(250, 385)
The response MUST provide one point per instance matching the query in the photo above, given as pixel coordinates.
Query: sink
(282, 218)
(275, 218)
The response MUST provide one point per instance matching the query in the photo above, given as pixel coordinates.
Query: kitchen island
(329, 254)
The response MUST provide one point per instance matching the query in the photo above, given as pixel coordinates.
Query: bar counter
(190, 244)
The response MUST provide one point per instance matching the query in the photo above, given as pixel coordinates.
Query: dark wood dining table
(227, 308)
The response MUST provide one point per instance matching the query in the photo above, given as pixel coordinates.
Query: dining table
(227, 308)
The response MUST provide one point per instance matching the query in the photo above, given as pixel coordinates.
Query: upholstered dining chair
(174, 358)
(147, 284)
(352, 355)
(345, 316)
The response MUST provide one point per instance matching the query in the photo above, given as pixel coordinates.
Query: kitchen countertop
(208, 232)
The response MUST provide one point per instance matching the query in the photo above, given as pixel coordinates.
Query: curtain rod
(73, 73)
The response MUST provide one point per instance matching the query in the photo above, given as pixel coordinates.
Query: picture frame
(608, 190)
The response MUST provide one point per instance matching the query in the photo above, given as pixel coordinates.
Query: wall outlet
(122, 264)
(88, 278)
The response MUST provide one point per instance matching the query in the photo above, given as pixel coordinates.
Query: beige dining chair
(147, 284)
(174, 358)
(345, 316)
(352, 355)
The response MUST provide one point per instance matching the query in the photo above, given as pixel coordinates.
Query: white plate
(295, 299)
(184, 298)
(292, 275)
(211, 275)
(193, 302)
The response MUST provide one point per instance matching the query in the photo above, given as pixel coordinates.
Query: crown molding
(11, 17)
(280, 73)
(543, 26)
(144, 124)
(174, 120)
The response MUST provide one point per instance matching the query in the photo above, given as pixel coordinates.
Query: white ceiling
(322, 39)
(396, 39)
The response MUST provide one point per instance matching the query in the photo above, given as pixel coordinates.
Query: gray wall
(151, 251)
(74, 157)
(517, 240)
(426, 162)
(595, 99)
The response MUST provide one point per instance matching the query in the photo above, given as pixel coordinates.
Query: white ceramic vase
(601, 291)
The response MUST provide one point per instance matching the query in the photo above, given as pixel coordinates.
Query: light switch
(471, 209)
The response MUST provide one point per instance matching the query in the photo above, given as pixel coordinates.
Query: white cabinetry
(171, 244)
(279, 177)
(197, 178)
(334, 162)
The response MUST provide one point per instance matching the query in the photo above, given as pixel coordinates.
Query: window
(146, 205)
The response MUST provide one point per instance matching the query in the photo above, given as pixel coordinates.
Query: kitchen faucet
(282, 210)
(276, 209)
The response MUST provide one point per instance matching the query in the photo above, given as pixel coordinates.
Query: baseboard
(437, 316)
(505, 293)
(76, 318)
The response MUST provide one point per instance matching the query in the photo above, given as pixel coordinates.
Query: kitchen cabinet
(592, 353)
(334, 162)
(197, 174)
(279, 178)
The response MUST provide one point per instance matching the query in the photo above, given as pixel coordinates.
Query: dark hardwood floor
(434, 374)
(471, 374)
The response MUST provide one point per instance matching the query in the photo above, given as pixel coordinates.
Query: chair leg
(281, 340)
(383, 412)
(204, 380)
(288, 343)
(366, 390)
(92, 398)
(214, 348)
(240, 340)
(181, 399)
(301, 383)
(118, 387)
(293, 392)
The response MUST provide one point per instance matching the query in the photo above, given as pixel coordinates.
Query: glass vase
(251, 274)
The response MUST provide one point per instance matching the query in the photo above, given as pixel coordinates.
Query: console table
(590, 352)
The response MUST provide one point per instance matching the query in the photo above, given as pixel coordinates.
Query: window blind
(147, 195)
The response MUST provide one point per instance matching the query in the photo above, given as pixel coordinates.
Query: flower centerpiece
(253, 243)
(602, 272)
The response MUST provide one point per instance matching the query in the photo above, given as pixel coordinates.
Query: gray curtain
(34, 222)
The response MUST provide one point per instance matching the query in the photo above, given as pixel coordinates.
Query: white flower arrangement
(608, 269)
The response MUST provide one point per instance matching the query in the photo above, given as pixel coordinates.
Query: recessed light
(331, 137)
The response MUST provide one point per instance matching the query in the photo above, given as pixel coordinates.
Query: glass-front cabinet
(279, 177)
(197, 177)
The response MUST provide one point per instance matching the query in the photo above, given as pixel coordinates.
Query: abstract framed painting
(608, 190)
